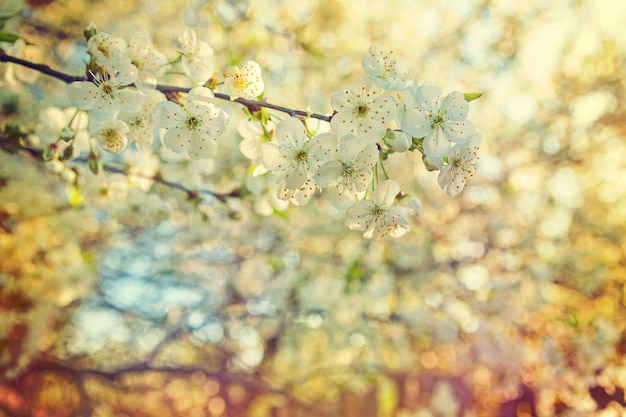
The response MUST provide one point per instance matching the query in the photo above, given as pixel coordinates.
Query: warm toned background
(505, 301)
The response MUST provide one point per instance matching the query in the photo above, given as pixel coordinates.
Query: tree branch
(191, 194)
(67, 78)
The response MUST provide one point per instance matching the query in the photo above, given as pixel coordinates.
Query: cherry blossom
(461, 163)
(362, 111)
(150, 62)
(349, 175)
(384, 70)
(424, 114)
(106, 48)
(378, 216)
(111, 135)
(294, 156)
(196, 56)
(246, 83)
(109, 93)
(194, 128)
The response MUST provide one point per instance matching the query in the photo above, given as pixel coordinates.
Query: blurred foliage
(508, 300)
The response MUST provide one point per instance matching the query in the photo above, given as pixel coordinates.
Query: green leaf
(472, 96)
(7, 16)
(8, 37)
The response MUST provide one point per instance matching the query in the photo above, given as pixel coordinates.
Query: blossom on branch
(441, 122)
(150, 62)
(196, 56)
(106, 48)
(362, 111)
(109, 93)
(246, 83)
(378, 216)
(461, 164)
(295, 157)
(384, 70)
(348, 176)
(111, 135)
(194, 128)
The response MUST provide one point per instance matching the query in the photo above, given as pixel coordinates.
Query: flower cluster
(343, 156)
(125, 107)
(380, 114)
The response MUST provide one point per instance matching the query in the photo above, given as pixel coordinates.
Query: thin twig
(67, 78)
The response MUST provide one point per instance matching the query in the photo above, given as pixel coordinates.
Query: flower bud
(51, 152)
(67, 134)
(93, 161)
(90, 30)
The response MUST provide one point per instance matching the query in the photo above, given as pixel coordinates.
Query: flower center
(362, 110)
(192, 123)
(438, 119)
(301, 156)
(109, 134)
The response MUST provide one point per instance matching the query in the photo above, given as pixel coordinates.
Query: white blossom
(111, 135)
(109, 93)
(141, 124)
(106, 48)
(385, 71)
(362, 111)
(150, 62)
(350, 174)
(196, 56)
(254, 136)
(461, 163)
(294, 156)
(246, 83)
(378, 216)
(441, 122)
(194, 128)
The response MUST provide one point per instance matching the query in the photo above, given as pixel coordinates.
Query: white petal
(428, 97)
(436, 144)
(415, 123)
(177, 139)
(344, 123)
(328, 174)
(272, 156)
(202, 146)
(168, 114)
(297, 176)
(459, 131)
(291, 132)
(132, 100)
(456, 105)
(83, 94)
(386, 193)
(200, 95)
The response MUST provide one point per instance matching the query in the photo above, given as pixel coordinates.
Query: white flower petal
(83, 94)
(132, 100)
(328, 174)
(177, 139)
(386, 193)
(436, 144)
(415, 123)
(167, 114)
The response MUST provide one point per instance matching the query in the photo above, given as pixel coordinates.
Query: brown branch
(191, 194)
(44, 69)
(67, 78)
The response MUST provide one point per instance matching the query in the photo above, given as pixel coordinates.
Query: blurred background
(507, 300)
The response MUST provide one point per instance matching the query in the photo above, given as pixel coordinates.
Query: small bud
(429, 164)
(90, 30)
(51, 152)
(68, 152)
(67, 134)
(93, 161)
